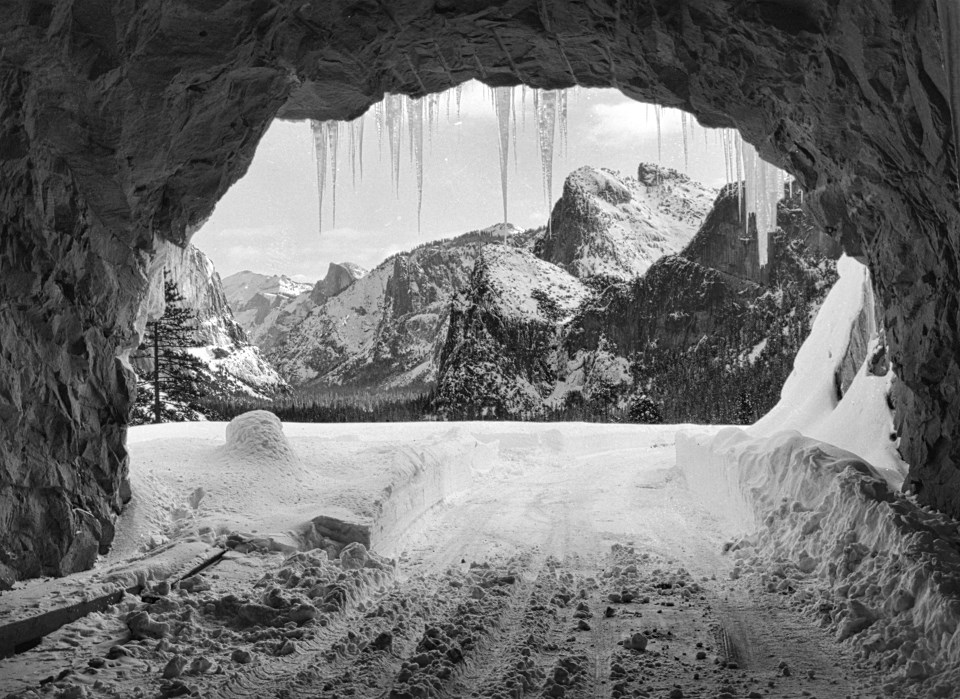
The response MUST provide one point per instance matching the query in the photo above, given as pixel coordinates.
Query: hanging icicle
(459, 96)
(686, 148)
(320, 157)
(353, 151)
(545, 104)
(562, 117)
(658, 112)
(764, 189)
(378, 110)
(949, 13)
(502, 100)
(415, 120)
(360, 145)
(393, 115)
(333, 145)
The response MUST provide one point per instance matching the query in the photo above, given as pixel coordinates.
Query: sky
(268, 221)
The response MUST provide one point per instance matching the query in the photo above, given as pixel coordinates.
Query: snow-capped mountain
(504, 332)
(242, 287)
(383, 330)
(235, 365)
(703, 329)
(267, 307)
(614, 227)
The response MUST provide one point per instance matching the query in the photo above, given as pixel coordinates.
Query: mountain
(267, 307)
(614, 227)
(704, 335)
(233, 365)
(504, 331)
(383, 330)
(242, 287)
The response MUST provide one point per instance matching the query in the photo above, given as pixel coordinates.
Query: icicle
(562, 116)
(764, 189)
(415, 119)
(333, 140)
(949, 13)
(320, 156)
(545, 102)
(378, 110)
(360, 144)
(459, 95)
(502, 105)
(523, 106)
(353, 152)
(513, 127)
(393, 115)
(686, 151)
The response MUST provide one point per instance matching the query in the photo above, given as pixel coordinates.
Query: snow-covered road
(541, 559)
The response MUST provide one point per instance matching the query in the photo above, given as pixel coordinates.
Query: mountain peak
(612, 226)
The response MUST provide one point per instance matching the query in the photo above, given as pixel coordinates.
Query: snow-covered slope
(383, 330)
(241, 287)
(503, 331)
(614, 227)
(235, 366)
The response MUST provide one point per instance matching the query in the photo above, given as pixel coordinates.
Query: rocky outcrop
(339, 277)
(706, 345)
(612, 227)
(122, 124)
(232, 364)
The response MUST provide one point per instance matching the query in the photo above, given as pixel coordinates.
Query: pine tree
(175, 372)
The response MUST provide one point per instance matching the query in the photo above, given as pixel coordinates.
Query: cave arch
(122, 123)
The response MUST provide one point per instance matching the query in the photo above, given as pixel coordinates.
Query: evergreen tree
(175, 372)
(644, 411)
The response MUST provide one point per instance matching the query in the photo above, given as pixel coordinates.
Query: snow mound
(869, 563)
(258, 436)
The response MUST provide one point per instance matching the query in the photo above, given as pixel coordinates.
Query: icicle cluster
(762, 187)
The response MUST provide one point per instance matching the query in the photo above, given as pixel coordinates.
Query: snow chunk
(258, 436)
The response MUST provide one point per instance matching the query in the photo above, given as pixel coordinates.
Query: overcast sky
(268, 221)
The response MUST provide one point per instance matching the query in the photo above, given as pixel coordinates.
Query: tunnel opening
(102, 172)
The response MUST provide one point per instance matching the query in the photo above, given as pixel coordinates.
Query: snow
(636, 224)
(809, 497)
(518, 277)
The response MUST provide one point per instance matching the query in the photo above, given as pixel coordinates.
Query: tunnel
(121, 124)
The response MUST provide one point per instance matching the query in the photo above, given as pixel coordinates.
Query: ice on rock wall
(545, 106)
(503, 97)
(949, 13)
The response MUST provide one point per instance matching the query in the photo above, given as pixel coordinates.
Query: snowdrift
(825, 524)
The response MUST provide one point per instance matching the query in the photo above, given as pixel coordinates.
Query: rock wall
(122, 122)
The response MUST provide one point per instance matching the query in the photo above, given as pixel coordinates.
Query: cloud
(628, 122)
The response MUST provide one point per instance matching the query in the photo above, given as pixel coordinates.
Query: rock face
(384, 330)
(121, 124)
(614, 227)
(233, 365)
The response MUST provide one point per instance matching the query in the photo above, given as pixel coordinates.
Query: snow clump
(258, 436)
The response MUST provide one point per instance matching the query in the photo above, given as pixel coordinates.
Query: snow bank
(818, 521)
(883, 572)
(862, 421)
